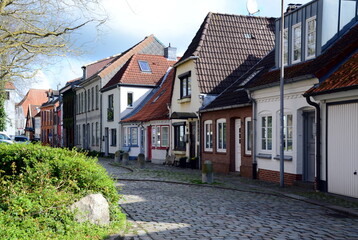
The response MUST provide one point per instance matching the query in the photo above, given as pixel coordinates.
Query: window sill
(285, 158)
(184, 100)
(220, 151)
(209, 150)
(179, 152)
(264, 155)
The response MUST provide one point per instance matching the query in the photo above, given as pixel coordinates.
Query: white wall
(10, 128)
(268, 103)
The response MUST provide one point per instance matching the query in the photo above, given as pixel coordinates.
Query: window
(266, 133)
(208, 137)
(129, 99)
(93, 134)
(285, 47)
(160, 136)
(311, 38)
(287, 131)
(110, 114)
(97, 97)
(7, 95)
(82, 102)
(144, 66)
(113, 137)
(88, 100)
(179, 136)
(221, 135)
(130, 136)
(97, 134)
(248, 136)
(185, 85)
(296, 43)
(92, 98)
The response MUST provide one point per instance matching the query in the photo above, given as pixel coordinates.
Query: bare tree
(33, 31)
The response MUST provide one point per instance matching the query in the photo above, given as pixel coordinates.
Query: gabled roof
(96, 67)
(33, 96)
(236, 95)
(156, 107)
(345, 78)
(131, 73)
(226, 46)
(318, 67)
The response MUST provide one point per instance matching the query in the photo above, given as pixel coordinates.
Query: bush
(38, 184)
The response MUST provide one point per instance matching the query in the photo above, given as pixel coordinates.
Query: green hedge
(38, 184)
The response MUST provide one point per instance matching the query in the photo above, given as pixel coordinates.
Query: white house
(123, 93)
(10, 99)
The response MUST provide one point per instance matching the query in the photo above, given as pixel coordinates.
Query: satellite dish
(251, 6)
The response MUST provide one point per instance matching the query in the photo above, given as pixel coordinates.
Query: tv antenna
(251, 6)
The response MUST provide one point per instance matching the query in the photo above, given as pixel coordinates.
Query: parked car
(21, 139)
(4, 138)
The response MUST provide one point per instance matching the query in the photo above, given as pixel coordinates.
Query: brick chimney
(170, 53)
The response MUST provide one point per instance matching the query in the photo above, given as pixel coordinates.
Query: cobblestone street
(160, 210)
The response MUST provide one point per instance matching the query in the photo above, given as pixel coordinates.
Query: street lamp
(86, 128)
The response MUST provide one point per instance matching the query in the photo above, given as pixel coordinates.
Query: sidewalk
(161, 173)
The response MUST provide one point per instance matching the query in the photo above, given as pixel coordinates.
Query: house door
(192, 139)
(309, 147)
(237, 144)
(149, 143)
(342, 150)
(106, 141)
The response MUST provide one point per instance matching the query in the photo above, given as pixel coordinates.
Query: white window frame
(158, 136)
(208, 137)
(307, 57)
(266, 130)
(298, 25)
(221, 135)
(285, 132)
(248, 136)
(128, 136)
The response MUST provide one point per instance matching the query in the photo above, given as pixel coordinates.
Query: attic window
(159, 95)
(144, 66)
(248, 35)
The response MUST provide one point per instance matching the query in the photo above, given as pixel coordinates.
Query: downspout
(253, 152)
(318, 141)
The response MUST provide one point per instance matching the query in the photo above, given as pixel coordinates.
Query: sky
(130, 21)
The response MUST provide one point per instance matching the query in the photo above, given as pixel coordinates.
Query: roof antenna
(251, 6)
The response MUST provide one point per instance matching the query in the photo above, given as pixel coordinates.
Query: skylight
(144, 66)
(159, 95)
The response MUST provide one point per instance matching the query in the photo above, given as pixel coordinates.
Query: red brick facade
(225, 162)
(274, 176)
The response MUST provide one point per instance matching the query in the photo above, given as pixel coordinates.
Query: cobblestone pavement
(159, 210)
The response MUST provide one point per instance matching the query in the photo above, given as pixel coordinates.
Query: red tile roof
(227, 46)
(346, 77)
(95, 67)
(131, 73)
(33, 110)
(317, 67)
(156, 107)
(9, 85)
(33, 96)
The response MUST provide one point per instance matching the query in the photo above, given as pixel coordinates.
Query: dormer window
(296, 43)
(185, 85)
(285, 47)
(144, 66)
(311, 38)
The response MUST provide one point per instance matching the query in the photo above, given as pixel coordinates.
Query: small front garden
(38, 184)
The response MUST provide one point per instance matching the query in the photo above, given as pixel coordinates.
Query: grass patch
(38, 184)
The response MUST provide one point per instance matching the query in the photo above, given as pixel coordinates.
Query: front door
(309, 147)
(192, 139)
(237, 144)
(149, 143)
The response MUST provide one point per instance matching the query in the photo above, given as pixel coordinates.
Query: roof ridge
(240, 15)
(101, 60)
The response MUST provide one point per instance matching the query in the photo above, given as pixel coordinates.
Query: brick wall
(225, 162)
(274, 176)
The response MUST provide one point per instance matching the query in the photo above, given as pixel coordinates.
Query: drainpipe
(318, 140)
(253, 151)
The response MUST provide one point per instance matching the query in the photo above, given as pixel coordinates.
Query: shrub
(38, 184)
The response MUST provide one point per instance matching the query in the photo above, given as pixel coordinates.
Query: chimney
(170, 53)
(292, 6)
(84, 72)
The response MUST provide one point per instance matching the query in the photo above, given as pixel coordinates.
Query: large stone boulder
(93, 208)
